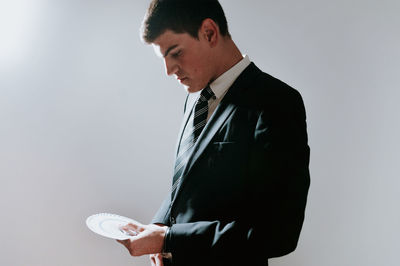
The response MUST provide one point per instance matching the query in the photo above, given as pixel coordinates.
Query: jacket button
(172, 220)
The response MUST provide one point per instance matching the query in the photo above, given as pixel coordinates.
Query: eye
(176, 54)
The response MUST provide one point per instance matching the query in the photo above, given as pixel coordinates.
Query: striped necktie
(192, 132)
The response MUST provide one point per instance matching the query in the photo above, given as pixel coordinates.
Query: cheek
(200, 68)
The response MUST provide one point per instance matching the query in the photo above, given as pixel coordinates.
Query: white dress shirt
(221, 85)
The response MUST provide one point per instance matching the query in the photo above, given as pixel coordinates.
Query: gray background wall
(79, 94)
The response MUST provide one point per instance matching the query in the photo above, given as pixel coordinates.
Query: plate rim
(93, 226)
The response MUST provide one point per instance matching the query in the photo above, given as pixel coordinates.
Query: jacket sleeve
(277, 182)
(162, 215)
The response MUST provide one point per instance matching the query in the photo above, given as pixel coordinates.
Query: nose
(170, 67)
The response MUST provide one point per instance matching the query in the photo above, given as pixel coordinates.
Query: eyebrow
(169, 49)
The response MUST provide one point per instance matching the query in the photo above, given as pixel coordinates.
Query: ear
(209, 31)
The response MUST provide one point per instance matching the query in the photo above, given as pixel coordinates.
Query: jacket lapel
(224, 109)
(190, 101)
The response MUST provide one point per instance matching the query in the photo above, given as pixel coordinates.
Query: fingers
(159, 260)
(153, 260)
(132, 229)
(126, 230)
(149, 240)
(156, 260)
(135, 226)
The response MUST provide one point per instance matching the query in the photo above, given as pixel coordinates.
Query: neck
(227, 56)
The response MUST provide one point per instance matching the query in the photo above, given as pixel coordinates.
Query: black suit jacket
(243, 193)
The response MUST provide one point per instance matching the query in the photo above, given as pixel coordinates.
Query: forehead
(170, 40)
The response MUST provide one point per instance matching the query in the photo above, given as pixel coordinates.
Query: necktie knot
(206, 94)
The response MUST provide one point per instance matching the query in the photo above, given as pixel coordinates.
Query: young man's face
(187, 58)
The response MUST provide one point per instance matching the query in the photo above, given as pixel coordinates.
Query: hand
(148, 240)
(156, 260)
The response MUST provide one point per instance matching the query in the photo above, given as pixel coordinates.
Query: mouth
(181, 80)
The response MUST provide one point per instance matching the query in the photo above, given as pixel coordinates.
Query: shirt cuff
(166, 252)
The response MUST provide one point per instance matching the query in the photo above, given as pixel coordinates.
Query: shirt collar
(225, 81)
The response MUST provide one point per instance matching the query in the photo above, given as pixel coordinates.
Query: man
(241, 177)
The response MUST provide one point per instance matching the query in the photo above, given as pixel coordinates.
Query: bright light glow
(18, 22)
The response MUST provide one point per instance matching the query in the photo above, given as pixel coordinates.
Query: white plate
(108, 225)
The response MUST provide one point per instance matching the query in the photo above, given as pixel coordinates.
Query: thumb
(134, 227)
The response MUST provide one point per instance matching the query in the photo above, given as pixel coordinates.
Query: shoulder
(263, 91)
(274, 88)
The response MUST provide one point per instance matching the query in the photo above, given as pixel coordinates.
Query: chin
(191, 89)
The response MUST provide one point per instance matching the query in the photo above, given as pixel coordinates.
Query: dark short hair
(181, 16)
